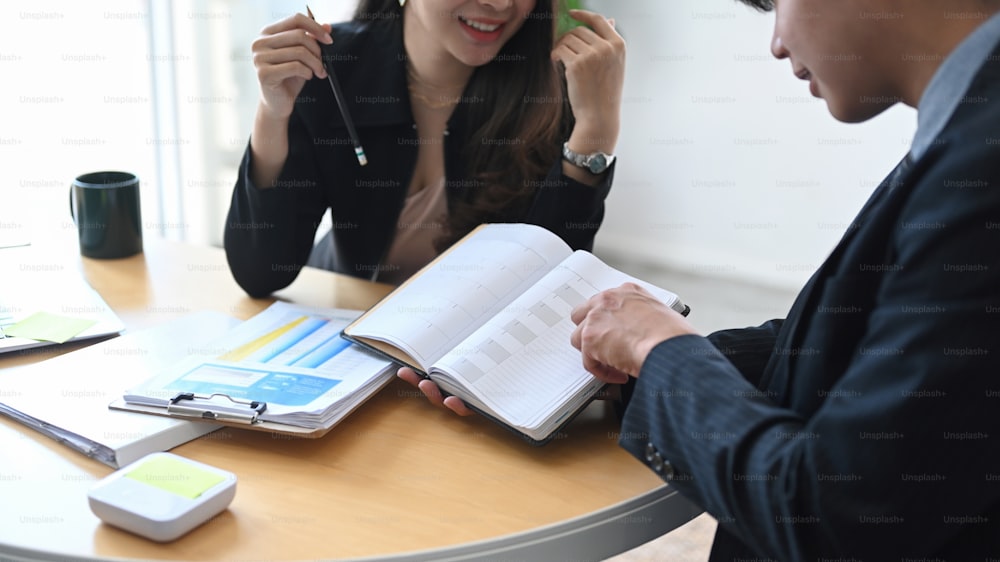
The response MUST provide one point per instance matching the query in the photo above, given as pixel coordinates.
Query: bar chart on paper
(290, 357)
(269, 367)
(306, 341)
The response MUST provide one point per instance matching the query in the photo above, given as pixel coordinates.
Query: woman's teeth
(480, 26)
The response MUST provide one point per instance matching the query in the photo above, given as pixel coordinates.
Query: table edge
(595, 536)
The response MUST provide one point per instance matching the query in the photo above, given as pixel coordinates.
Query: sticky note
(48, 327)
(175, 476)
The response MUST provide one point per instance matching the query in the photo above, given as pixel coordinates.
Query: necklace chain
(441, 101)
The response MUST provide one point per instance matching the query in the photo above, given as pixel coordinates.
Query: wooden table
(397, 480)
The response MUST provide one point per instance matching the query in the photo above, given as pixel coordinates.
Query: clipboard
(285, 371)
(237, 413)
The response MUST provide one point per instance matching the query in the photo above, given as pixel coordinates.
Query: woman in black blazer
(469, 111)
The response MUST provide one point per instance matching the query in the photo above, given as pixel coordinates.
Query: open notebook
(490, 321)
(57, 303)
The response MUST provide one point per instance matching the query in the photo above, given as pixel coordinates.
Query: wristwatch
(595, 163)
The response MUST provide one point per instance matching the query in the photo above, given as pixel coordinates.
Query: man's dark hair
(762, 5)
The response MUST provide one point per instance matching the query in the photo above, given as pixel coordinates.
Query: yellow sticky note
(175, 476)
(48, 327)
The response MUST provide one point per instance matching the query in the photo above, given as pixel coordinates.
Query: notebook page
(445, 303)
(521, 363)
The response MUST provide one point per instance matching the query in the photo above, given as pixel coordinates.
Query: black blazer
(866, 426)
(269, 233)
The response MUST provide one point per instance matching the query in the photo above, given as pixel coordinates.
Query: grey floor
(715, 304)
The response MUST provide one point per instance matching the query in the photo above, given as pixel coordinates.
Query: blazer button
(650, 451)
(668, 470)
(657, 462)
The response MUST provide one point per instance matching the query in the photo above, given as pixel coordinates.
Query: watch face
(598, 163)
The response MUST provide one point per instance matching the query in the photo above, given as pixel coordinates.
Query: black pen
(327, 59)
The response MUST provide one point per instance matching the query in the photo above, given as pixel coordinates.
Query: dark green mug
(105, 208)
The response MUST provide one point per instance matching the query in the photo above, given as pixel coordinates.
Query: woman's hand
(455, 404)
(286, 55)
(433, 393)
(594, 58)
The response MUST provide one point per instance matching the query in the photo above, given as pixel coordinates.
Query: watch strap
(595, 163)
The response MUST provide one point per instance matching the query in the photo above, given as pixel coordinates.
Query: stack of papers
(40, 307)
(66, 397)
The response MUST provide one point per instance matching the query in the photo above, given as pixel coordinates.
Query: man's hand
(616, 330)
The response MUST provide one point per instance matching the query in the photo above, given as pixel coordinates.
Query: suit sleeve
(895, 460)
(748, 349)
(269, 232)
(569, 208)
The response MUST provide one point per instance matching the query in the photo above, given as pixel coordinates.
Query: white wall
(727, 165)
(76, 98)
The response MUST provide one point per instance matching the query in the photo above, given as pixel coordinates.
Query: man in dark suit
(866, 425)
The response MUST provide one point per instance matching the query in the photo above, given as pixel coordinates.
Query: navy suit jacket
(865, 426)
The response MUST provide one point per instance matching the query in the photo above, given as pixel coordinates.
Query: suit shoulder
(361, 39)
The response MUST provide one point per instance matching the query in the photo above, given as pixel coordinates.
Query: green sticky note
(175, 476)
(48, 327)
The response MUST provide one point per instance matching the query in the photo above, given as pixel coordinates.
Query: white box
(162, 496)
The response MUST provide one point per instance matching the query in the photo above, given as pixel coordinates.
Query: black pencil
(359, 151)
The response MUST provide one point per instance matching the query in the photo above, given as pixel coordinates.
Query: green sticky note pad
(175, 476)
(45, 326)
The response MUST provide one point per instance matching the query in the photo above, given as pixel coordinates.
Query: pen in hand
(359, 151)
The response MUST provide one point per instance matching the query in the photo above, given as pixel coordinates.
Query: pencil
(359, 151)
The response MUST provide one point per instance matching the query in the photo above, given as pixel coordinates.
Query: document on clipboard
(286, 370)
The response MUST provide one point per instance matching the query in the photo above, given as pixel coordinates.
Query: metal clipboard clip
(241, 411)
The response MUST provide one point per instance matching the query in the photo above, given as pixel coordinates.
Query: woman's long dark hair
(517, 113)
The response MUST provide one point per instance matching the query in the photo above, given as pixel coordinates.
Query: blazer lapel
(776, 375)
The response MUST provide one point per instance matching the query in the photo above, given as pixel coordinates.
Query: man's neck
(933, 35)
